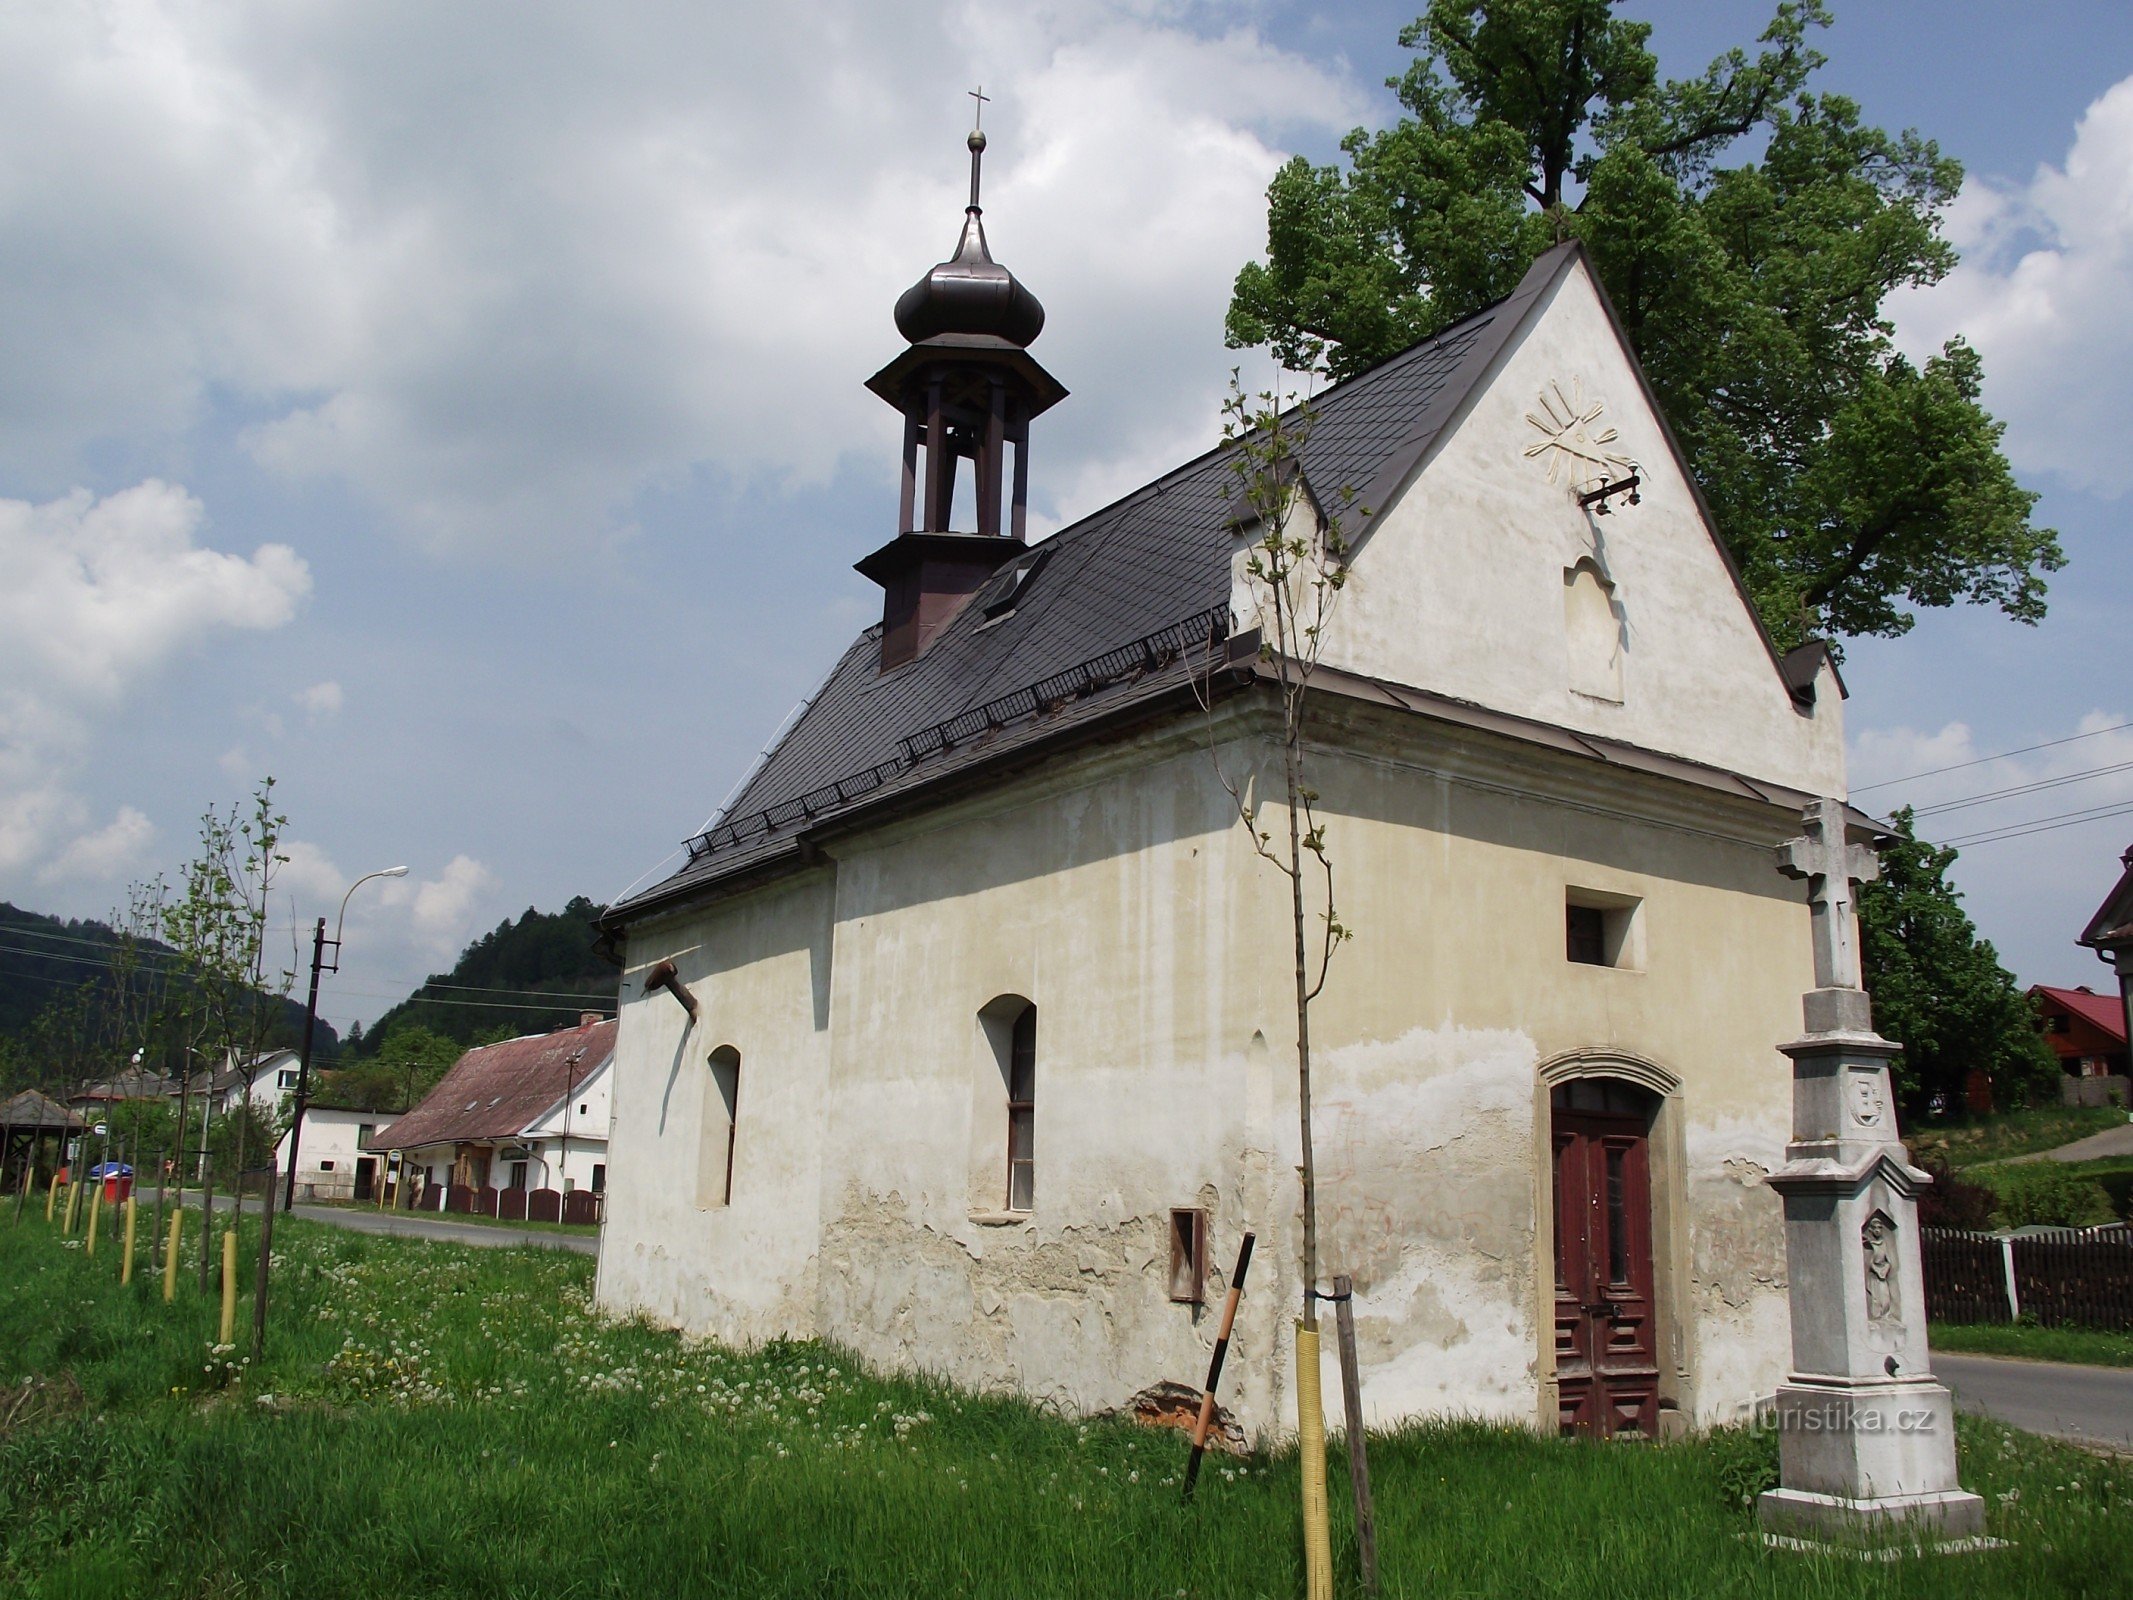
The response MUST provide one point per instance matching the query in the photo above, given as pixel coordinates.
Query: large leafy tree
(1749, 231)
(1939, 990)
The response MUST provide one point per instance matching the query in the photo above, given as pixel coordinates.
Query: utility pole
(303, 1064)
(319, 941)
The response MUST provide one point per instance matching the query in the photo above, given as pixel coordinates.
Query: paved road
(2110, 1142)
(402, 1223)
(2092, 1405)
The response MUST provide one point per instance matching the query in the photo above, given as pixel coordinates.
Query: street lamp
(303, 1065)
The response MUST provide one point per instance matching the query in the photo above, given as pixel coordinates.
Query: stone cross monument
(1867, 1447)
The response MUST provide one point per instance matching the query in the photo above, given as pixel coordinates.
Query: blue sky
(457, 412)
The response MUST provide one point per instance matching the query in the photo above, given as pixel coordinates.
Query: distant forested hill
(496, 988)
(55, 972)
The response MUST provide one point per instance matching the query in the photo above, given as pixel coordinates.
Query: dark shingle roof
(30, 1110)
(1125, 599)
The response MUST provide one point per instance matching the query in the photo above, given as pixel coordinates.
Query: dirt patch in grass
(38, 1400)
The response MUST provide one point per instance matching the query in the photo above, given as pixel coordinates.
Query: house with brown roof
(517, 1129)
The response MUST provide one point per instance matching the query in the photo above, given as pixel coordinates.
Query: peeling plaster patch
(1443, 1339)
(1714, 1146)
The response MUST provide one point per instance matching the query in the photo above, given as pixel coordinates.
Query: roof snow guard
(1144, 655)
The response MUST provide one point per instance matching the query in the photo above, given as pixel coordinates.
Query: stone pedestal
(1866, 1450)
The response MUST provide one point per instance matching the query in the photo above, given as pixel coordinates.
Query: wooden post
(96, 1207)
(259, 1278)
(51, 1194)
(1214, 1365)
(126, 1268)
(229, 1288)
(170, 1256)
(1366, 1525)
(73, 1200)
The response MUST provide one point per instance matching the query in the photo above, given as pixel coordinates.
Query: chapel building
(966, 1037)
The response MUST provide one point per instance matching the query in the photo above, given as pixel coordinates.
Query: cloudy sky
(456, 410)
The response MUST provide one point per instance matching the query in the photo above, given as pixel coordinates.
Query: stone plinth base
(1911, 1519)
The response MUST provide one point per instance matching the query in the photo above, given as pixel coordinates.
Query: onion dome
(970, 293)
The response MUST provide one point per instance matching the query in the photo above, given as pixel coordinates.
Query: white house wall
(1458, 585)
(1118, 894)
(760, 970)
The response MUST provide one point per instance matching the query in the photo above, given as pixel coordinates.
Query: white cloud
(443, 912)
(321, 700)
(2031, 893)
(100, 595)
(2041, 292)
(501, 271)
(105, 854)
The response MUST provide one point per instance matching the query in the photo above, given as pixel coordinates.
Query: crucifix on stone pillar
(1831, 866)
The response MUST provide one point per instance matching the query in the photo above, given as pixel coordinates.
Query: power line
(2064, 819)
(2023, 788)
(554, 1002)
(1934, 772)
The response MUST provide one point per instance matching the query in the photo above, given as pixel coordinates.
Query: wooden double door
(1606, 1346)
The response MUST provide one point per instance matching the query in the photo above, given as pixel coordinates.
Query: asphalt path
(421, 1227)
(412, 1226)
(2089, 1405)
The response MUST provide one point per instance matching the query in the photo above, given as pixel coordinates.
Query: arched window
(719, 1125)
(1005, 1110)
(1022, 1111)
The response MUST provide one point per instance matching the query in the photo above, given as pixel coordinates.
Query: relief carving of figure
(1883, 1314)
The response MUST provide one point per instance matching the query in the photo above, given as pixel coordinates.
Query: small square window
(1601, 929)
(1188, 1255)
(325, 1166)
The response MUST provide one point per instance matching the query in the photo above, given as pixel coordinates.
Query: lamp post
(303, 1065)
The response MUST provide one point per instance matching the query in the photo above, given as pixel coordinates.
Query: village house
(517, 1129)
(966, 1036)
(335, 1162)
(2087, 1032)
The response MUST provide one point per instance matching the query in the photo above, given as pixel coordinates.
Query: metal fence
(2081, 1279)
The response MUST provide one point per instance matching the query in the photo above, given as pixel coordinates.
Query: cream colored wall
(1458, 584)
(757, 967)
(1119, 895)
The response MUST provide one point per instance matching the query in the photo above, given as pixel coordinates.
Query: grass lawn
(432, 1419)
(2011, 1133)
(2095, 1347)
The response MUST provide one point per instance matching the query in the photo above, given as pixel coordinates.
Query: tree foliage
(1939, 990)
(1749, 231)
(542, 953)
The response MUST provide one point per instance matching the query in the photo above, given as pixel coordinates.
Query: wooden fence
(2072, 1279)
(579, 1208)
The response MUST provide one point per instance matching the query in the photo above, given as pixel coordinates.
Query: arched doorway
(1606, 1302)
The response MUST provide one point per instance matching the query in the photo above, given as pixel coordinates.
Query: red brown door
(1606, 1353)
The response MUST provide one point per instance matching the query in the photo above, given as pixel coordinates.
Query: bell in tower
(967, 387)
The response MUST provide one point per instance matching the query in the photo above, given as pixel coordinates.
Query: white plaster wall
(1458, 584)
(330, 1134)
(569, 1163)
(1118, 894)
(758, 966)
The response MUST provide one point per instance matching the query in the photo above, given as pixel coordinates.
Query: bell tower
(968, 389)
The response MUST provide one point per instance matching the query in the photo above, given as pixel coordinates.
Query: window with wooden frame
(1022, 1111)
(718, 1132)
(1188, 1255)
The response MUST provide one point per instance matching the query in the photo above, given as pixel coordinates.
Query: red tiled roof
(2104, 1012)
(496, 1090)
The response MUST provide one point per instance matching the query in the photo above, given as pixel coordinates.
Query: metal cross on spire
(977, 140)
(1831, 866)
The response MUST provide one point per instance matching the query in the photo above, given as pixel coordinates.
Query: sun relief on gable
(1582, 452)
